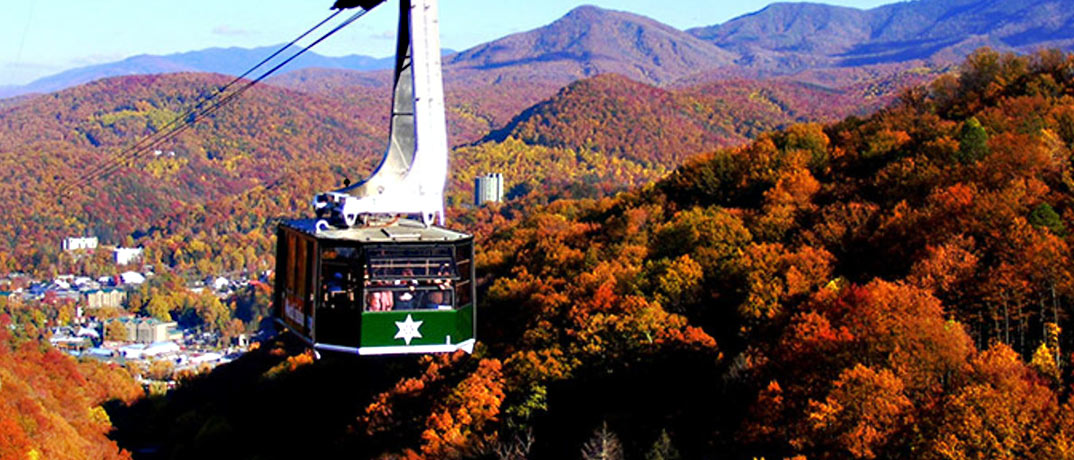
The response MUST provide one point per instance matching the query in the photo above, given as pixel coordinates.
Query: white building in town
(125, 256)
(141, 351)
(488, 188)
(132, 278)
(76, 243)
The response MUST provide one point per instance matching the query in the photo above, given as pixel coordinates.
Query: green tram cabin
(400, 288)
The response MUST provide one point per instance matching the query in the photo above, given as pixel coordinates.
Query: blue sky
(42, 37)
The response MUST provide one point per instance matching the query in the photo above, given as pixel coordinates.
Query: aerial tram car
(372, 274)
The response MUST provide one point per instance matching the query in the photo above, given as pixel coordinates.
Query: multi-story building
(150, 330)
(101, 298)
(125, 256)
(488, 188)
(76, 243)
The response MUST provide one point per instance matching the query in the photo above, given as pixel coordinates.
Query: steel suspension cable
(200, 110)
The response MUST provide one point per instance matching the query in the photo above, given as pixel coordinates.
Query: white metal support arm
(411, 177)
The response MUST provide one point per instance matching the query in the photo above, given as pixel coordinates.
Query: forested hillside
(50, 405)
(48, 142)
(208, 199)
(893, 286)
(617, 116)
(474, 107)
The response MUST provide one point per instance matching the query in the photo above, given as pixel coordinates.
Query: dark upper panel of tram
(404, 230)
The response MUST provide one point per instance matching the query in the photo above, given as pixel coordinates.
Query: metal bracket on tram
(411, 176)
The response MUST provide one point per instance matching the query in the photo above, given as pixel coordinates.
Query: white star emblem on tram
(408, 329)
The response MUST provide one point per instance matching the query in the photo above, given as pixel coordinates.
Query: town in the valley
(92, 317)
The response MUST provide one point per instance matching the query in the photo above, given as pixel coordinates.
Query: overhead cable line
(200, 110)
(188, 118)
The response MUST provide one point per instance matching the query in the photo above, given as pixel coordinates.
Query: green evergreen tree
(972, 141)
(1045, 216)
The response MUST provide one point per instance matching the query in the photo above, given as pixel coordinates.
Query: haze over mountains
(783, 38)
(228, 61)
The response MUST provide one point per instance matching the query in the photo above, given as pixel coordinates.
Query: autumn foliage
(886, 287)
(51, 406)
(897, 285)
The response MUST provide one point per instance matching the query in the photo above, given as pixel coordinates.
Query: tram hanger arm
(364, 4)
(412, 174)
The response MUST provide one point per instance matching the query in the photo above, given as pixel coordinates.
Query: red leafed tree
(864, 411)
(1005, 411)
(465, 422)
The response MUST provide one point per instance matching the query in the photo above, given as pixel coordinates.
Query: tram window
(289, 286)
(464, 285)
(412, 295)
(408, 263)
(411, 278)
(302, 266)
(299, 267)
(341, 278)
(297, 298)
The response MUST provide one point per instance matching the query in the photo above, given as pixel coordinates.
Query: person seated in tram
(406, 300)
(379, 301)
(437, 300)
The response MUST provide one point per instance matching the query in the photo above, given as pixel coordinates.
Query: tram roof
(403, 230)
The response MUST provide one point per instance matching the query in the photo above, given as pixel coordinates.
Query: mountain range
(787, 37)
(781, 39)
(589, 41)
(229, 61)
